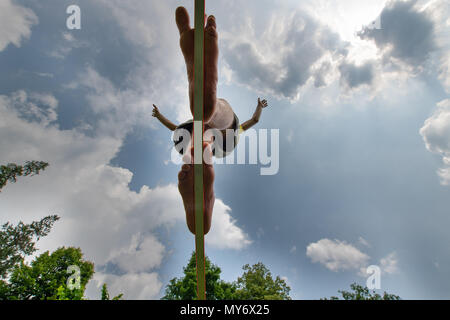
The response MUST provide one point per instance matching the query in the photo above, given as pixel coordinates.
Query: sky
(362, 109)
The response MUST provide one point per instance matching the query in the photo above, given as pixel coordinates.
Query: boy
(217, 114)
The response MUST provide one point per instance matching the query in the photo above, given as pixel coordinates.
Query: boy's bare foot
(186, 188)
(211, 75)
(186, 40)
(211, 48)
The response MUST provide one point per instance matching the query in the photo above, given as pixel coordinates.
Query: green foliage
(105, 294)
(186, 288)
(257, 284)
(11, 171)
(362, 293)
(46, 277)
(4, 289)
(64, 293)
(18, 241)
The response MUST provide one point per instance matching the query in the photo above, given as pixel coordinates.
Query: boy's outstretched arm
(255, 118)
(163, 119)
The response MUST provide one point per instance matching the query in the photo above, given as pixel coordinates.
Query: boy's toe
(182, 19)
(211, 22)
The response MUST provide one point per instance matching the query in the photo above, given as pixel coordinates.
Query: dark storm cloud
(244, 60)
(305, 42)
(353, 76)
(408, 32)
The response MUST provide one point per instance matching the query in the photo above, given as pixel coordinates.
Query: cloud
(406, 33)
(293, 49)
(44, 74)
(336, 255)
(160, 74)
(320, 74)
(389, 263)
(436, 134)
(444, 71)
(224, 233)
(353, 76)
(114, 225)
(40, 107)
(413, 39)
(364, 242)
(136, 286)
(142, 254)
(110, 102)
(69, 43)
(15, 23)
(99, 212)
(440, 11)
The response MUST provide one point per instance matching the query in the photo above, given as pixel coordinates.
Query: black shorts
(219, 150)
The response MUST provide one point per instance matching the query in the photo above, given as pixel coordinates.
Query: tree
(64, 293)
(362, 293)
(186, 288)
(18, 241)
(105, 294)
(257, 284)
(11, 171)
(47, 277)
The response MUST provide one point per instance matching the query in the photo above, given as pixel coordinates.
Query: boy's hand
(155, 112)
(263, 103)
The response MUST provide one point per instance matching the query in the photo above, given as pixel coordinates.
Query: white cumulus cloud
(336, 255)
(99, 213)
(436, 134)
(224, 233)
(15, 23)
(136, 286)
(389, 264)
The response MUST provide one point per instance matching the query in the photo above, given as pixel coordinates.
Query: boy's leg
(186, 188)
(187, 45)
(219, 119)
(210, 73)
(186, 40)
(217, 114)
